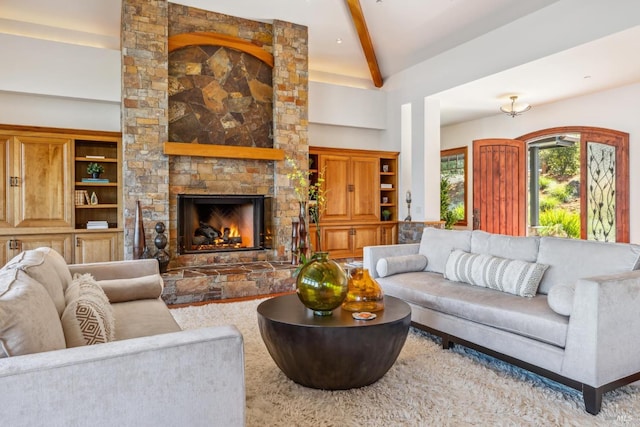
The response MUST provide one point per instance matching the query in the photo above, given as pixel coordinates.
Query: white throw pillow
(507, 275)
(29, 322)
(560, 298)
(400, 264)
(39, 266)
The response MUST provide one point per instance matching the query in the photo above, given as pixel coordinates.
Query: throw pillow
(400, 264)
(507, 275)
(560, 298)
(37, 264)
(29, 322)
(88, 317)
(436, 244)
(135, 288)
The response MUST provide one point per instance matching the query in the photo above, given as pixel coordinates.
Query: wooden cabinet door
(5, 252)
(389, 234)
(6, 214)
(44, 182)
(365, 186)
(96, 247)
(337, 186)
(364, 235)
(337, 241)
(59, 242)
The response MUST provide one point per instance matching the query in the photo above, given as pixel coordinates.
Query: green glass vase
(322, 284)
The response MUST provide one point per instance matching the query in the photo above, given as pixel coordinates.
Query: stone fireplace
(156, 179)
(221, 223)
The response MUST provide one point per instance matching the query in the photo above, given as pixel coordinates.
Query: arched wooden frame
(617, 139)
(463, 152)
(215, 39)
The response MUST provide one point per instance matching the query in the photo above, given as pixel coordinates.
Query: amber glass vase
(321, 284)
(365, 294)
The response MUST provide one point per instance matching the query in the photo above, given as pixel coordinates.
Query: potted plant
(386, 215)
(95, 169)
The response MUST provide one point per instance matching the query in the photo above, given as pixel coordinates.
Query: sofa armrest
(193, 377)
(602, 339)
(117, 269)
(373, 253)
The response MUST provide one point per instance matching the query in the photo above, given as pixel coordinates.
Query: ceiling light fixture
(514, 109)
(339, 40)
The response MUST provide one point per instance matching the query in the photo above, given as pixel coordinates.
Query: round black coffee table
(333, 352)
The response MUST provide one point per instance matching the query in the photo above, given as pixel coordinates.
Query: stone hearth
(196, 284)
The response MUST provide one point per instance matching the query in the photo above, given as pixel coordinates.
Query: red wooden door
(500, 186)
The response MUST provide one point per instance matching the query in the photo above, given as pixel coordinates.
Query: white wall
(55, 84)
(58, 112)
(345, 137)
(499, 50)
(347, 106)
(613, 109)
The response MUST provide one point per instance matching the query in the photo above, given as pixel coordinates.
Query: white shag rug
(427, 386)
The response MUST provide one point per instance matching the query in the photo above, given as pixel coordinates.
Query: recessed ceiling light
(587, 77)
(339, 40)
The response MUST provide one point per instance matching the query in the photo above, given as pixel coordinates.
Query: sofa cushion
(88, 317)
(507, 275)
(436, 244)
(528, 317)
(401, 264)
(511, 247)
(129, 289)
(560, 298)
(44, 265)
(29, 321)
(572, 259)
(141, 318)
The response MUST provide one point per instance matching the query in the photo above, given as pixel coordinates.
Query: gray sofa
(579, 327)
(149, 372)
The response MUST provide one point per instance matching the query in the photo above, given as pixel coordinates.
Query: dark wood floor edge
(227, 300)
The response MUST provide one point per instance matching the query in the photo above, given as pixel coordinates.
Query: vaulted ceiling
(402, 33)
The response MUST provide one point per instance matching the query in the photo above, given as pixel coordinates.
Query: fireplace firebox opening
(220, 223)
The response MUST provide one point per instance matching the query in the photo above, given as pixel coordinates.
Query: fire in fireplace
(220, 222)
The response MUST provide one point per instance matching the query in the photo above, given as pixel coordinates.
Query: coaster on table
(364, 315)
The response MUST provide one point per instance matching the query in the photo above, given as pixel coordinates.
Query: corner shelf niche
(106, 153)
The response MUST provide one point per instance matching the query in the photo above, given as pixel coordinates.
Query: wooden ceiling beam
(365, 40)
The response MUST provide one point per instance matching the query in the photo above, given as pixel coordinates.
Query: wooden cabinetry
(353, 215)
(96, 247)
(106, 187)
(389, 234)
(36, 181)
(40, 169)
(12, 245)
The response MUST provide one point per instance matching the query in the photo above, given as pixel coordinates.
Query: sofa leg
(592, 399)
(446, 342)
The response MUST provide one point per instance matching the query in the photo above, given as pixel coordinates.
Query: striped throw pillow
(507, 275)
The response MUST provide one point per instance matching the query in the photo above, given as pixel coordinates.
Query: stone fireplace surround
(155, 179)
